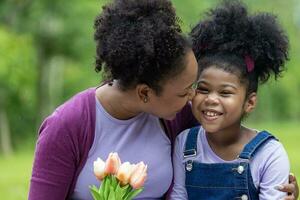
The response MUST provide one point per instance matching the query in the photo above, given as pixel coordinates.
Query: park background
(47, 55)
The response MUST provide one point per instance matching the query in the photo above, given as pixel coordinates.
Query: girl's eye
(202, 90)
(225, 93)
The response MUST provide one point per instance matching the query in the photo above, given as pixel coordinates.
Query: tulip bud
(99, 166)
(124, 173)
(112, 163)
(138, 176)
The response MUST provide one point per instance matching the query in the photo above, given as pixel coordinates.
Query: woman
(151, 69)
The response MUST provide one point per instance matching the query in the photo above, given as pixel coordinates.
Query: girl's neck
(226, 137)
(228, 144)
(119, 104)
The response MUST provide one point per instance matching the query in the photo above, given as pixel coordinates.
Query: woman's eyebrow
(189, 86)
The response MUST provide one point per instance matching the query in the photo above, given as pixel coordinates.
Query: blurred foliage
(17, 79)
(47, 55)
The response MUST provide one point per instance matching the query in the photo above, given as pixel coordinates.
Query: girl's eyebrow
(203, 81)
(222, 85)
(228, 85)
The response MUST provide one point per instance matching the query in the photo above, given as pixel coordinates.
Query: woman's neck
(119, 104)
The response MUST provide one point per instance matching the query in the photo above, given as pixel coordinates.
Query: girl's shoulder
(182, 137)
(271, 144)
(271, 152)
(272, 148)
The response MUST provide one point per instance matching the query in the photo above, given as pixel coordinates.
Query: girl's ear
(250, 102)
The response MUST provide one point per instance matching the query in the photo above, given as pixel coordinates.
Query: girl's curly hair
(229, 34)
(139, 41)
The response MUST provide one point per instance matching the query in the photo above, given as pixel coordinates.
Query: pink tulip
(112, 163)
(99, 166)
(124, 173)
(138, 176)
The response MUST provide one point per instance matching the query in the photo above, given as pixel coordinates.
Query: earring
(145, 100)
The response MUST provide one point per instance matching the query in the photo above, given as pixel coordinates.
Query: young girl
(224, 159)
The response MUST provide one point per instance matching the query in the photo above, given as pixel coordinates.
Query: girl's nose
(211, 99)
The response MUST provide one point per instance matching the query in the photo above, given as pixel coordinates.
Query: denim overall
(218, 181)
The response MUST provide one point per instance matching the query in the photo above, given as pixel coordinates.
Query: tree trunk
(42, 87)
(50, 85)
(5, 134)
(55, 81)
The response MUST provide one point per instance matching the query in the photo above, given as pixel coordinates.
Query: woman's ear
(250, 103)
(143, 92)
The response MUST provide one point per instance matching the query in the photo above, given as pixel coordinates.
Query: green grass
(15, 173)
(16, 169)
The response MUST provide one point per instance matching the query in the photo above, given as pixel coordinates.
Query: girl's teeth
(211, 114)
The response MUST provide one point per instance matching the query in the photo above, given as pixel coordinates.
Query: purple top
(65, 139)
(140, 138)
(269, 167)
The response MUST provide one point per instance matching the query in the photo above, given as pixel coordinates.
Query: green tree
(59, 44)
(17, 78)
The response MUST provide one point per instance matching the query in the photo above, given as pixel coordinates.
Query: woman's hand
(292, 188)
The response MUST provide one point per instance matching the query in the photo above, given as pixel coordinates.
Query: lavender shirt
(269, 167)
(138, 139)
(64, 142)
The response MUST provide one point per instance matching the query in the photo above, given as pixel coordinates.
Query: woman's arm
(292, 188)
(54, 162)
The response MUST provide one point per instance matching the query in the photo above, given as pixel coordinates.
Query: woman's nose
(192, 93)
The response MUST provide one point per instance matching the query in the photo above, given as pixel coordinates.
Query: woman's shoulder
(79, 110)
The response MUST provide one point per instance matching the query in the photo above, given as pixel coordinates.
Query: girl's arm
(178, 190)
(274, 172)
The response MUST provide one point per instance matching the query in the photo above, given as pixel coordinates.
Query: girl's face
(176, 92)
(220, 102)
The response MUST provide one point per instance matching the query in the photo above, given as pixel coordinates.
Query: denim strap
(191, 142)
(258, 141)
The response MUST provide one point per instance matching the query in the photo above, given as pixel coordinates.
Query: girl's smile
(211, 114)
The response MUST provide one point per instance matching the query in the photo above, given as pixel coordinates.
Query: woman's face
(177, 91)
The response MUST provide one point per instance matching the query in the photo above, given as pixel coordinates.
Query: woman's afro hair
(229, 29)
(139, 41)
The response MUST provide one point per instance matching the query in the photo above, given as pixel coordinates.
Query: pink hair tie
(249, 63)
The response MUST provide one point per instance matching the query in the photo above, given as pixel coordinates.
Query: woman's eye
(183, 95)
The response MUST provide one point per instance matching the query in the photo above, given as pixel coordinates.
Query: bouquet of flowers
(120, 181)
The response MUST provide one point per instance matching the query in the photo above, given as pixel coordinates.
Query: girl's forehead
(214, 75)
